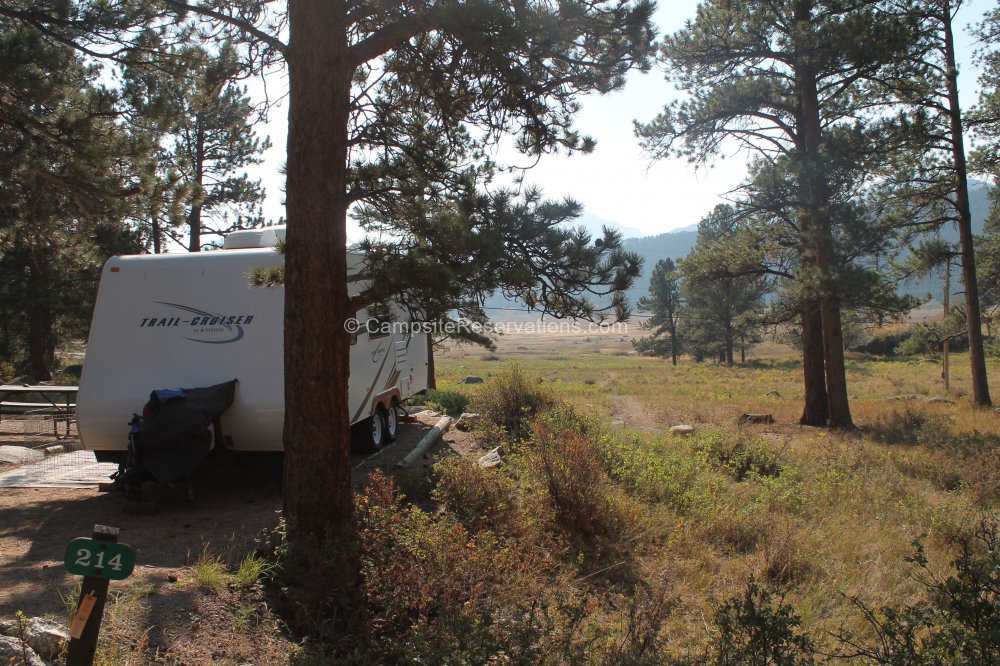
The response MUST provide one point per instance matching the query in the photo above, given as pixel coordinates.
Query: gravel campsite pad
(75, 469)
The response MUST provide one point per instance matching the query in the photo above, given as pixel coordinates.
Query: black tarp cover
(174, 437)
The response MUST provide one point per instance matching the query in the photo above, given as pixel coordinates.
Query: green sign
(101, 559)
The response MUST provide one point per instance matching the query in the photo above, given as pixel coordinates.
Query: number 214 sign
(100, 559)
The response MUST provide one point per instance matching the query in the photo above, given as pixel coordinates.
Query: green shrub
(911, 426)
(437, 593)
(959, 623)
(757, 629)
(509, 400)
(480, 498)
(668, 478)
(563, 455)
(983, 477)
(738, 455)
(7, 372)
(447, 402)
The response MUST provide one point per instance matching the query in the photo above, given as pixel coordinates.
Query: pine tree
(665, 305)
(721, 309)
(204, 124)
(775, 78)
(67, 180)
(985, 117)
(933, 182)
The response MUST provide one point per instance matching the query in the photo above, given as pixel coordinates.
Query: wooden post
(81, 650)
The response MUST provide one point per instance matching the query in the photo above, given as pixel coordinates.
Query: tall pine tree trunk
(816, 410)
(977, 358)
(194, 217)
(157, 235)
(431, 372)
(729, 344)
(39, 331)
(673, 338)
(816, 197)
(194, 229)
(40, 337)
(318, 498)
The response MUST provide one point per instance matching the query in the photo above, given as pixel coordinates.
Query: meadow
(823, 519)
(602, 538)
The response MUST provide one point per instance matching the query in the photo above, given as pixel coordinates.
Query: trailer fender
(385, 399)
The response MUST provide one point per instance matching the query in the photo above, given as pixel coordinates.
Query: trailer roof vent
(249, 238)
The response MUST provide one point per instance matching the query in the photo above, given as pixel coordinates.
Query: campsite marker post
(99, 560)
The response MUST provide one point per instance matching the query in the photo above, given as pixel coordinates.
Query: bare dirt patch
(235, 501)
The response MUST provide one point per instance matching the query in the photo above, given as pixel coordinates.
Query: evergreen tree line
(109, 156)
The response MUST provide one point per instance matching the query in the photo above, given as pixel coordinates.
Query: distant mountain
(671, 245)
(933, 285)
(679, 243)
(595, 225)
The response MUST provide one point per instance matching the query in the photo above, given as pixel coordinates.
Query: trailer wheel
(374, 430)
(392, 422)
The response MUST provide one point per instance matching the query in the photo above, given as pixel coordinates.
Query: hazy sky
(617, 182)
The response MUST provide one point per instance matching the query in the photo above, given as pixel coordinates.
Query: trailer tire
(374, 431)
(392, 422)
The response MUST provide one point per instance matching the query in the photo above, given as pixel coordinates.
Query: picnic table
(59, 402)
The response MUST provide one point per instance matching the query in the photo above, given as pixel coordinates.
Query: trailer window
(379, 324)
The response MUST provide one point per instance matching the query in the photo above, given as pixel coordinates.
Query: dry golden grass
(842, 514)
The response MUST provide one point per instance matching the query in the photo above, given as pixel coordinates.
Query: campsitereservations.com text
(452, 328)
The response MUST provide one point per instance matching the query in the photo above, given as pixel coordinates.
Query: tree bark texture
(318, 499)
(816, 410)
(729, 344)
(431, 378)
(194, 217)
(41, 347)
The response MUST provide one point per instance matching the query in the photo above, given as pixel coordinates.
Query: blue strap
(169, 394)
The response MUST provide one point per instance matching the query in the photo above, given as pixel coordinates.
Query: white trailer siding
(174, 321)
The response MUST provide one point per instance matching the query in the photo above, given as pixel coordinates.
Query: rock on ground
(466, 420)
(43, 636)
(491, 459)
(471, 379)
(19, 454)
(13, 651)
(681, 429)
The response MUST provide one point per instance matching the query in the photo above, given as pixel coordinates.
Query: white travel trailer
(191, 320)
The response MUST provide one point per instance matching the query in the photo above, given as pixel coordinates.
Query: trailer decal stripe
(371, 389)
(392, 379)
